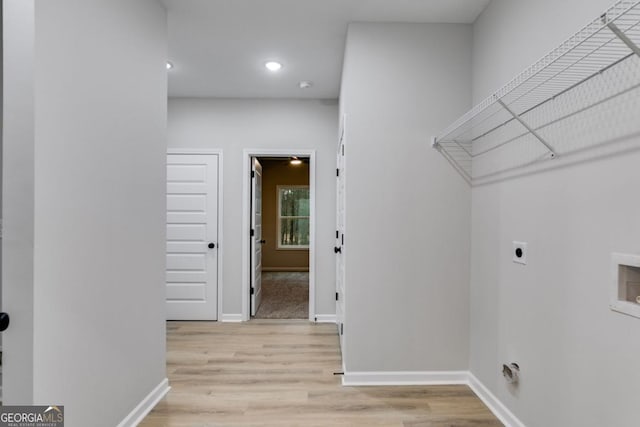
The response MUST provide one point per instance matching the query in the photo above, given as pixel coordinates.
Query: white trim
(221, 246)
(325, 318)
(232, 317)
(312, 234)
(194, 151)
(435, 378)
(493, 403)
(341, 159)
(247, 154)
(136, 416)
(405, 378)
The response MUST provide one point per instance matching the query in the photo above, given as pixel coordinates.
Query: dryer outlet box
(520, 252)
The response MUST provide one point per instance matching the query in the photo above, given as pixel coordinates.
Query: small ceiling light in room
(305, 84)
(169, 65)
(273, 66)
(295, 161)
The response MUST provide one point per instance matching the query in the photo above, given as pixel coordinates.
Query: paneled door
(192, 236)
(340, 241)
(256, 236)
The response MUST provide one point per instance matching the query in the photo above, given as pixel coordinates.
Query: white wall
(552, 316)
(408, 211)
(85, 205)
(1, 121)
(18, 200)
(236, 124)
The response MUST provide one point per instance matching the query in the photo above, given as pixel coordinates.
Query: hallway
(281, 373)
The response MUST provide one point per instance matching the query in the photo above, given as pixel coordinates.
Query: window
(293, 217)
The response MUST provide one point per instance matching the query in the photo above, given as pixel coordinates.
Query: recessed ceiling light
(305, 84)
(273, 66)
(169, 65)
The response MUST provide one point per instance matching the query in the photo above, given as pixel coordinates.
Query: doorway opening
(279, 244)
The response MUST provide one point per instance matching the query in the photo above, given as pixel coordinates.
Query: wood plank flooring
(280, 373)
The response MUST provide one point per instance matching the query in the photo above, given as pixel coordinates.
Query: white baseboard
(404, 378)
(234, 317)
(286, 269)
(493, 403)
(136, 416)
(435, 378)
(325, 318)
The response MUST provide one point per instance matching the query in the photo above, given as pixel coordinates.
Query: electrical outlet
(520, 252)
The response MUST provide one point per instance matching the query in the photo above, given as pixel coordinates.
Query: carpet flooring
(284, 296)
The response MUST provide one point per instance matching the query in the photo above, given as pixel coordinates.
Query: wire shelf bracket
(528, 128)
(582, 94)
(622, 36)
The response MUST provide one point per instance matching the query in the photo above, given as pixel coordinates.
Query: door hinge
(252, 232)
(343, 149)
(341, 328)
(343, 240)
(337, 234)
(336, 296)
(338, 172)
(252, 291)
(253, 174)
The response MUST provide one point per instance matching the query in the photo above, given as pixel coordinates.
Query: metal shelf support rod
(622, 36)
(527, 127)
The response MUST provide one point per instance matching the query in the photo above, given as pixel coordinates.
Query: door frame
(220, 243)
(343, 176)
(247, 155)
(255, 245)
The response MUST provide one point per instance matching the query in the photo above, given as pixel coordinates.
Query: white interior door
(340, 242)
(192, 236)
(256, 236)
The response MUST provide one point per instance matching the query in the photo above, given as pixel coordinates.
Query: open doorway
(284, 238)
(280, 235)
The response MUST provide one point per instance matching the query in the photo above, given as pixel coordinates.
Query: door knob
(4, 321)
(263, 241)
(211, 245)
(337, 250)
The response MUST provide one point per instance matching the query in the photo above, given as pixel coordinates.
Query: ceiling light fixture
(295, 161)
(273, 66)
(305, 84)
(169, 65)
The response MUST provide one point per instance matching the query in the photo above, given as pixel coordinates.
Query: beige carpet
(284, 296)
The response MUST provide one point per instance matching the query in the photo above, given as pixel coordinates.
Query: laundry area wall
(552, 315)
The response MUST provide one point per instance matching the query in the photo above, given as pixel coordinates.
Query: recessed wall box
(511, 372)
(625, 284)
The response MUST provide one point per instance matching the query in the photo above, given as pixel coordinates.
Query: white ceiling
(218, 47)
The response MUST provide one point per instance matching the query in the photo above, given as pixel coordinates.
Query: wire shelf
(582, 94)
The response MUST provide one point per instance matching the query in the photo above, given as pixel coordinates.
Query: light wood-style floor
(280, 373)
